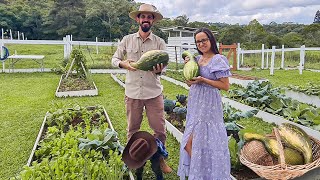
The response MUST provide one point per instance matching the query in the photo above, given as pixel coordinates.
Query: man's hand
(158, 69)
(126, 65)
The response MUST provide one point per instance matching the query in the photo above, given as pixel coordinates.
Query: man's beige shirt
(139, 84)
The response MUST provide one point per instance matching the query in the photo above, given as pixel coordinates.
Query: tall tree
(197, 24)
(109, 12)
(272, 40)
(181, 20)
(292, 39)
(66, 17)
(317, 17)
(254, 34)
(232, 34)
(311, 35)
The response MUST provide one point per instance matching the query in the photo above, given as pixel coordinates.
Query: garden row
(237, 123)
(76, 143)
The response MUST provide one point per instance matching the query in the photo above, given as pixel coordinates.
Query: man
(143, 88)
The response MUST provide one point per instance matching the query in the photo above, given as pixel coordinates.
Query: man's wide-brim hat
(141, 147)
(147, 8)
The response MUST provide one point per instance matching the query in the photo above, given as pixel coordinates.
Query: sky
(239, 11)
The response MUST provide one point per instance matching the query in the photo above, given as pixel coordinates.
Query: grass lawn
(283, 78)
(25, 98)
(54, 55)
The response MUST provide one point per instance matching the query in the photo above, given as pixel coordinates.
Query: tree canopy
(109, 20)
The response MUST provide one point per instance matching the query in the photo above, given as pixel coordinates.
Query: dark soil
(244, 173)
(243, 77)
(73, 83)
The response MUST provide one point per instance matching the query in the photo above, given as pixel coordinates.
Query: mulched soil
(243, 77)
(72, 83)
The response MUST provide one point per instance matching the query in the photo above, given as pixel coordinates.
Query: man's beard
(145, 28)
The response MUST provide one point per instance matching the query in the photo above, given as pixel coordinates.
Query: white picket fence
(265, 61)
(174, 50)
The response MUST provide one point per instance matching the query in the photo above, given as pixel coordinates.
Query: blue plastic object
(6, 53)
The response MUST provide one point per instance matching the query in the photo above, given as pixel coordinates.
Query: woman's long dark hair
(213, 41)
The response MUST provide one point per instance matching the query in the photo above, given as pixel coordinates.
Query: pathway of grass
(282, 78)
(24, 100)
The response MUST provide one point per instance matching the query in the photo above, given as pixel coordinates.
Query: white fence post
(22, 36)
(97, 48)
(282, 57)
(70, 45)
(262, 56)
(238, 56)
(11, 35)
(242, 57)
(2, 53)
(267, 62)
(65, 48)
(301, 64)
(272, 60)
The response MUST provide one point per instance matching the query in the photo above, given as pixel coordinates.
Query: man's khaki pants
(155, 113)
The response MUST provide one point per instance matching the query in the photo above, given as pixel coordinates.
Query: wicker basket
(281, 170)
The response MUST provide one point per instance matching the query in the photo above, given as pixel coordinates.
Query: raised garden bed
(75, 87)
(117, 79)
(76, 80)
(85, 128)
(302, 97)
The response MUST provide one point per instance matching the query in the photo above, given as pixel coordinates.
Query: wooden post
(262, 56)
(282, 57)
(69, 71)
(84, 70)
(272, 60)
(232, 49)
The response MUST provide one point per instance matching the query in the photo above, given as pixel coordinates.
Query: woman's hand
(195, 80)
(186, 59)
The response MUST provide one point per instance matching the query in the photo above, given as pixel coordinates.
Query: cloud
(240, 11)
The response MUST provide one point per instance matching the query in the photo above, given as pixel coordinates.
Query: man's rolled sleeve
(163, 45)
(118, 55)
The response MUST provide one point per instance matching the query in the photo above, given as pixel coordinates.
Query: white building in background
(180, 39)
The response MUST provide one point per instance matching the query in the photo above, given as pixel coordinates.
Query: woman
(204, 153)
